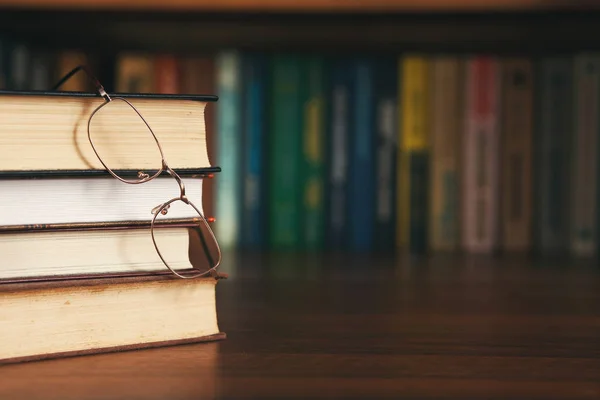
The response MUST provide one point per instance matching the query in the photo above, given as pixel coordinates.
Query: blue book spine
(341, 95)
(362, 173)
(553, 155)
(385, 98)
(254, 138)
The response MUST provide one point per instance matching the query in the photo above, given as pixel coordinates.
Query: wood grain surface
(302, 326)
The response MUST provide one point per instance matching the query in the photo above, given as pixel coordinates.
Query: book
(584, 171)
(517, 154)
(77, 251)
(414, 153)
(54, 200)
(67, 318)
(447, 123)
(313, 153)
(553, 155)
(48, 131)
(481, 149)
(229, 136)
(385, 129)
(285, 152)
(341, 93)
(362, 172)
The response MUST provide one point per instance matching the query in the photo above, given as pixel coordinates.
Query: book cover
(447, 123)
(553, 152)
(313, 153)
(584, 173)
(255, 106)
(340, 96)
(517, 140)
(228, 142)
(481, 148)
(285, 143)
(361, 159)
(413, 160)
(385, 128)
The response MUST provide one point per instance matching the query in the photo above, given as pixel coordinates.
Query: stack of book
(79, 266)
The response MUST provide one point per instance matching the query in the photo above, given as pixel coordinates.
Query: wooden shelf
(303, 5)
(192, 32)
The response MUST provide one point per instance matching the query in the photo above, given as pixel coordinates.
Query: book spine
(361, 179)
(228, 192)
(446, 127)
(553, 145)
(517, 138)
(385, 97)
(481, 146)
(313, 154)
(166, 73)
(285, 191)
(41, 70)
(341, 111)
(135, 73)
(414, 155)
(19, 59)
(585, 152)
(253, 215)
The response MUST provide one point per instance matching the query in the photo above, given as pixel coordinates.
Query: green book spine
(285, 179)
(313, 153)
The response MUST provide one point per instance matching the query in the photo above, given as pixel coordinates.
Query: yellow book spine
(413, 134)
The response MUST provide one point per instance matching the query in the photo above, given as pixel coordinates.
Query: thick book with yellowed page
(48, 131)
(74, 317)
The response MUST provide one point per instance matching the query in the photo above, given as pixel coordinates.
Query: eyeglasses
(117, 118)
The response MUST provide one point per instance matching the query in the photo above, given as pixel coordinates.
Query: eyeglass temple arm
(87, 71)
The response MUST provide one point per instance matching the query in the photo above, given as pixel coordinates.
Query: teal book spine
(284, 165)
(229, 136)
(552, 155)
(313, 148)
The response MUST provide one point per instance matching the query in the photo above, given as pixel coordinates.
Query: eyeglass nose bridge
(179, 181)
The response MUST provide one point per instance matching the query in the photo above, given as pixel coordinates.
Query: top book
(48, 131)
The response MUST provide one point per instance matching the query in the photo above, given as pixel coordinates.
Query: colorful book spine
(341, 111)
(285, 142)
(229, 136)
(135, 73)
(167, 73)
(480, 231)
(517, 139)
(553, 161)
(385, 98)
(314, 154)
(362, 178)
(447, 122)
(584, 175)
(413, 160)
(253, 227)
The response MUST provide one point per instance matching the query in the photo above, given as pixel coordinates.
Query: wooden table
(353, 326)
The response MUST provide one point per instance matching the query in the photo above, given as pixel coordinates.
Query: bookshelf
(503, 28)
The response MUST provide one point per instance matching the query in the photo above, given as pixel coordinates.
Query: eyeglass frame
(161, 208)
